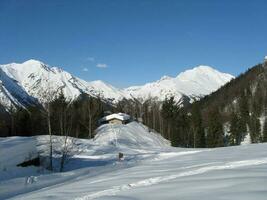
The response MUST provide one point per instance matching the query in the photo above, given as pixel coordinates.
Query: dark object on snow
(35, 162)
(120, 156)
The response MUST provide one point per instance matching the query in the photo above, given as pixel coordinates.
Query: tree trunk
(169, 131)
(64, 154)
(50, 139)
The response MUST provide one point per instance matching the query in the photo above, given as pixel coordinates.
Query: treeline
(79, 118)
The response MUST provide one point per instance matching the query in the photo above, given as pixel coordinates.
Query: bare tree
(49, 95)
(65, 145)
(65, 129)
(90, 111)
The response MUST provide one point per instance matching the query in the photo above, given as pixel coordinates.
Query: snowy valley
(133, 100)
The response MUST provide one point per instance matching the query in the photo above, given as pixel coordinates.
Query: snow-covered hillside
(132, 135)
(34, 82)
(193, 83)
(151, 169)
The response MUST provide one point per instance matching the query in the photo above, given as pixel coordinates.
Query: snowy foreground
(151, 169)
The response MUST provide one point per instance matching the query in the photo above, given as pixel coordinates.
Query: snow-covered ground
(151, 170)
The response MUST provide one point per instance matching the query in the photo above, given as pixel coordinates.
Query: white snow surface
(132, 135)
(33, 81)
(193, 83)
(151, 170)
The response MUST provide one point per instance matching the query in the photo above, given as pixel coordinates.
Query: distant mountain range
(34, 82)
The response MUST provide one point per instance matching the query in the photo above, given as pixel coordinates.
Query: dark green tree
(197, 127)
(169, 111)
(255, 129)
(215, 136)
(235, 130)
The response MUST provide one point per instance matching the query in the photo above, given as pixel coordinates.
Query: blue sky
(131, 42)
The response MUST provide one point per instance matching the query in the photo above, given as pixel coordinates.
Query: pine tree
(169, 113)
(197, 128)
(254, 127)
(235, 130)
(215, 137)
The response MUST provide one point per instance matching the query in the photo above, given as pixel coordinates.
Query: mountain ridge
(33, 81)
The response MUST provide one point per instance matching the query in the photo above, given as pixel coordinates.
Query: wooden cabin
(116, 118)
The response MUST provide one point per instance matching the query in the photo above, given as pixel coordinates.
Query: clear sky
(131, 42)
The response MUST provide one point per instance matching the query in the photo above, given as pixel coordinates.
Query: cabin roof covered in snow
(119, 116)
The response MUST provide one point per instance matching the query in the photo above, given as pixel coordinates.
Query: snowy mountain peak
(204, 68)
(165, 77)
(193, 83)
(33, 62)
(205, 73)
(199, 70)
(34, 65)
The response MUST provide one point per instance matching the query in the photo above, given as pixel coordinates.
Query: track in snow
(159, 179)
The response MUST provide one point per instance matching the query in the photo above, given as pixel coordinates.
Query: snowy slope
(107, 91)
(194, 83)
(102, 151)
(19, 148)
(132, 135)
(155, 172)
(11, 92)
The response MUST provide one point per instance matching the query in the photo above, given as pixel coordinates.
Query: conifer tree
(254, 127)
(235, 130)
(197, 128)
(215, 137)
(168, 112)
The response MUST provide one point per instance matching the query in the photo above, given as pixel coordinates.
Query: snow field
(151, 170)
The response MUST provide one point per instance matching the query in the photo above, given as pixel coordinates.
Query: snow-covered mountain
(193, 83)
(34, 82)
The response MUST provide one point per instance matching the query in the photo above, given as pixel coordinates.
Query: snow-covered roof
(119, 116)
